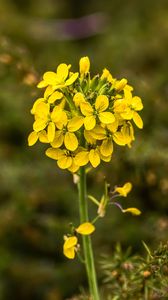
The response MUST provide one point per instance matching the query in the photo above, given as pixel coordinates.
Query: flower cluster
(82, 117)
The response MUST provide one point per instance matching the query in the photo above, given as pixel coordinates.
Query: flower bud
(84, 65)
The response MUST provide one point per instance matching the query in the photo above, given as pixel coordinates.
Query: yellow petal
(114, 126)
(42, 84)
(82, 158)
(32, 138)
(105, 158)
(64, 162)
(72, 79)
(70, 141)
(86, 108)
(62, 121)
(62, 71)
(33, 110)
(70, 242)
(101, 103)
(106, 117)
(88, 137)
(55, 96)
(50, 78)
(119, 139)
(125, 189)
(85, 228)
(84, 65)
(39, 125)
(74, 167)
(137, 120)
(137, 103)
(94, 157)
(89, 122)
(43, 137)
(75, 123)
(98, 132)
(127, 114)
(106, 147)
(51, 131)
(42, 110)
(58, 139)
(49, 90)
(69, 253)
(54, 153)
(56, 114)
(132, 210)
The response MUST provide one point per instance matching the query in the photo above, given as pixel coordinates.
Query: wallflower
(99, 110)
(70, 246)
(59, 79)
(124, 190)
(82, 118)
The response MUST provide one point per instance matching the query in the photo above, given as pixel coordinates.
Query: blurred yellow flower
(69, 247)
(124, 190)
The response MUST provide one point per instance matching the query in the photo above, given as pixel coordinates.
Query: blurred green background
(37, 200)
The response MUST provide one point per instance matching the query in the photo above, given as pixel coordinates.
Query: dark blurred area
(37, 200)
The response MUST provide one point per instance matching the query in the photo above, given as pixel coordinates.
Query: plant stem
(87, 244)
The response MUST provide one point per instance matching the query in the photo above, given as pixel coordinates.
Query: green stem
(87, 245)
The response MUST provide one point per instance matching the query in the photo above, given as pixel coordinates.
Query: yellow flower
(59, 79)
(90, 113)
(124, 190)
(66, 134)
(132, 210)
(85, 228)
(69, 247)
(44, 118)
(128, 107)
(84, 65)
(65, 159)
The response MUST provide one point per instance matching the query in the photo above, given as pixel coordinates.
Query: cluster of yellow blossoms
(81, 117)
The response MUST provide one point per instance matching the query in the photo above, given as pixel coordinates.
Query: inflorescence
(82, 117)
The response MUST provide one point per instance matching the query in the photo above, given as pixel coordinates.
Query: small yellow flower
(65, 160)
(66, 134)
(124, 190)
(85, 228)
(59, 79)
(90, 113)
(69, 247)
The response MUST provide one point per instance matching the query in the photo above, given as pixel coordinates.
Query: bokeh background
(37, 200)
